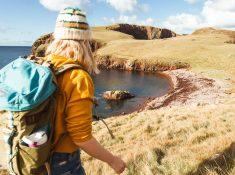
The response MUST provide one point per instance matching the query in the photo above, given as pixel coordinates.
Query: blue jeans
(67, 164)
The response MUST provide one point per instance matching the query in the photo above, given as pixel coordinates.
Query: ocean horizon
(10, 53)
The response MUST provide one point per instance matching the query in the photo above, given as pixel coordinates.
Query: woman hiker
(73, 126)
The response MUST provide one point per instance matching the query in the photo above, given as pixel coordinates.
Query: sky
(23, 21)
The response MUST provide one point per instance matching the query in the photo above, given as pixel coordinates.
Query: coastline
(190, 130)
(184, 85)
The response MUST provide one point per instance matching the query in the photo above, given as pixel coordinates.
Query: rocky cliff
(142, 32)
(40, 45)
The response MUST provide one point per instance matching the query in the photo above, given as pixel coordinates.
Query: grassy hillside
(205, 51)
(181, 138)
(104, 36)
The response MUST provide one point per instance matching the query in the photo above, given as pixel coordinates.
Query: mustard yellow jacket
(74, 106)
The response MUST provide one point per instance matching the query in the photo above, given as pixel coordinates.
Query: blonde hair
(79, 50)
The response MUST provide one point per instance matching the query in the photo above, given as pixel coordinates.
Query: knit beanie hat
(71, 24)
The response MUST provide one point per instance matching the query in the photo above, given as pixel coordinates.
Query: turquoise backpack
(27, 106)
(27, 109)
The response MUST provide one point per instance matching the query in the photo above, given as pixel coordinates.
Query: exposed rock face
(143, 32)
(107, 62)
(117, 95)
(40, 45)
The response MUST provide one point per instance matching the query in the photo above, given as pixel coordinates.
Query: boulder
(143, 32)
(117, 95)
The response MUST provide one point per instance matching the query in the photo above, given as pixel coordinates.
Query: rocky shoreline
(187, 88)
(190, 89)
(185, 85)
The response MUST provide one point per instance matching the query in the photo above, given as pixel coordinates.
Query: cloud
(3, 29)
(57, 5)
(123, 6)
(25, 42)
(131, 7)
(130, 20)
(144, 7)
(14, 42)
(191, 1)
(183, 22)
(219, 13)
(215, 13)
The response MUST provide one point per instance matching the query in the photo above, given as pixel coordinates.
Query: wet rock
(143, 32)
(117, 95)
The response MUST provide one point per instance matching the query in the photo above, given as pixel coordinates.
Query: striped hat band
(75, 25)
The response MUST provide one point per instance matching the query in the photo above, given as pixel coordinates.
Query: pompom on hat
(71, 24)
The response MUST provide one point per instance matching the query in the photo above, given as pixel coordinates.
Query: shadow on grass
(221, 163)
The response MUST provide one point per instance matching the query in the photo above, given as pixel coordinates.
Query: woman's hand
(94, 149)
(117, 164)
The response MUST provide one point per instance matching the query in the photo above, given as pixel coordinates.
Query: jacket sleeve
(80, 93)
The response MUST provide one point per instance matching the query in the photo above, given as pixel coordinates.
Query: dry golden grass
(104, 36)
(167, 141)
(177, 140)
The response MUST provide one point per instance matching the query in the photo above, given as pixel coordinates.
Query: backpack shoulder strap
(66, 67)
